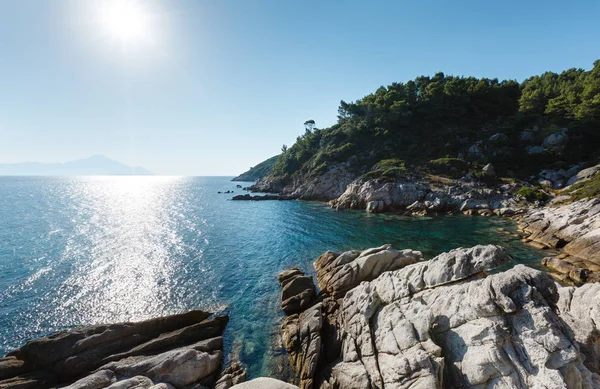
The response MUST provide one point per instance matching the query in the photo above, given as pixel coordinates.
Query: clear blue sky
(214, 87)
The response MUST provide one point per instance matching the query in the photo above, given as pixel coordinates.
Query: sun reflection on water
(126, 263)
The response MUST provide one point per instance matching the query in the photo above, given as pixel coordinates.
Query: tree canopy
(442, 116)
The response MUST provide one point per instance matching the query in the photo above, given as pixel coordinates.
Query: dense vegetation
(458, 123)
(257, 172)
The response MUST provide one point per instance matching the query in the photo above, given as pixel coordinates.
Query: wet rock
(248, 197)
(576, 274)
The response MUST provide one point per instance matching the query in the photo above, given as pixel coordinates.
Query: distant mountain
(257, 172)
(96, 165)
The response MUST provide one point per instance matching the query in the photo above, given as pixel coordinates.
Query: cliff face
(443, 323)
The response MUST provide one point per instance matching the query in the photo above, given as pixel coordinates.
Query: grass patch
(387, 169)
(585, 189)
(451, 167)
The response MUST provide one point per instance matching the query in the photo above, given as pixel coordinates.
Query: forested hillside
(257, 172)
(458, 124)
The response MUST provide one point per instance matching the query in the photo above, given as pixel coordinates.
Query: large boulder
(378, 195)
(264, 383)
(498, 139)
(298, 291)
(338, 273)
(557, 140)
(489, 170)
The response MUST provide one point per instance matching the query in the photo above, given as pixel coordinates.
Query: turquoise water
(88, 250)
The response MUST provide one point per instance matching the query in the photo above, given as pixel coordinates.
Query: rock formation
(422, 195)
(298, 291)
(574, 228)
(446, 323)
(177, 351)
(264, 383)
(338, 273)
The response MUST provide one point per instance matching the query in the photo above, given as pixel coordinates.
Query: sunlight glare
(126, 21)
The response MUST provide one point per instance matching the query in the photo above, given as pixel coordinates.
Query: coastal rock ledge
(171, 352)
(390, 319)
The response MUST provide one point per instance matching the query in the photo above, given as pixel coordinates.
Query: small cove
(89, 250)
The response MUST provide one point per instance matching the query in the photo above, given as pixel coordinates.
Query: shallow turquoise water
(104, 249)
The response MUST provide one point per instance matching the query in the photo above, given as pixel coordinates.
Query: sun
(124, 21)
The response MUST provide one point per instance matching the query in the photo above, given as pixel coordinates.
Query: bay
(86, 250)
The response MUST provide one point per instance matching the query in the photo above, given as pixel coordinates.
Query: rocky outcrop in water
(422, 195)
(249, 197)
(297, 291)
(326, 186)
(178, 351)
(446, 323)
(574, 228)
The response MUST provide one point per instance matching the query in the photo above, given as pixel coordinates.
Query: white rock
(264, 383)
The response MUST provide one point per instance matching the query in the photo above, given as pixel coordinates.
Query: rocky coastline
(386, 318)
(380, 318)
(572, 227)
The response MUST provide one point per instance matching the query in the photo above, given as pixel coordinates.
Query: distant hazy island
(96, 165)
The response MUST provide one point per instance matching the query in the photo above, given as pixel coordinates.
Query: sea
(86, 250)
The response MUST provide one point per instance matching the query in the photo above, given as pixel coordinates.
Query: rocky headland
(388, 318)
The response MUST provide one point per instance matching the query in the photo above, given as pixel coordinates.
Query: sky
(207, 87)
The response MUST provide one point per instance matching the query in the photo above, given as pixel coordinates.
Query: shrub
(453, 167)
(387, 169)
(532, 194)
